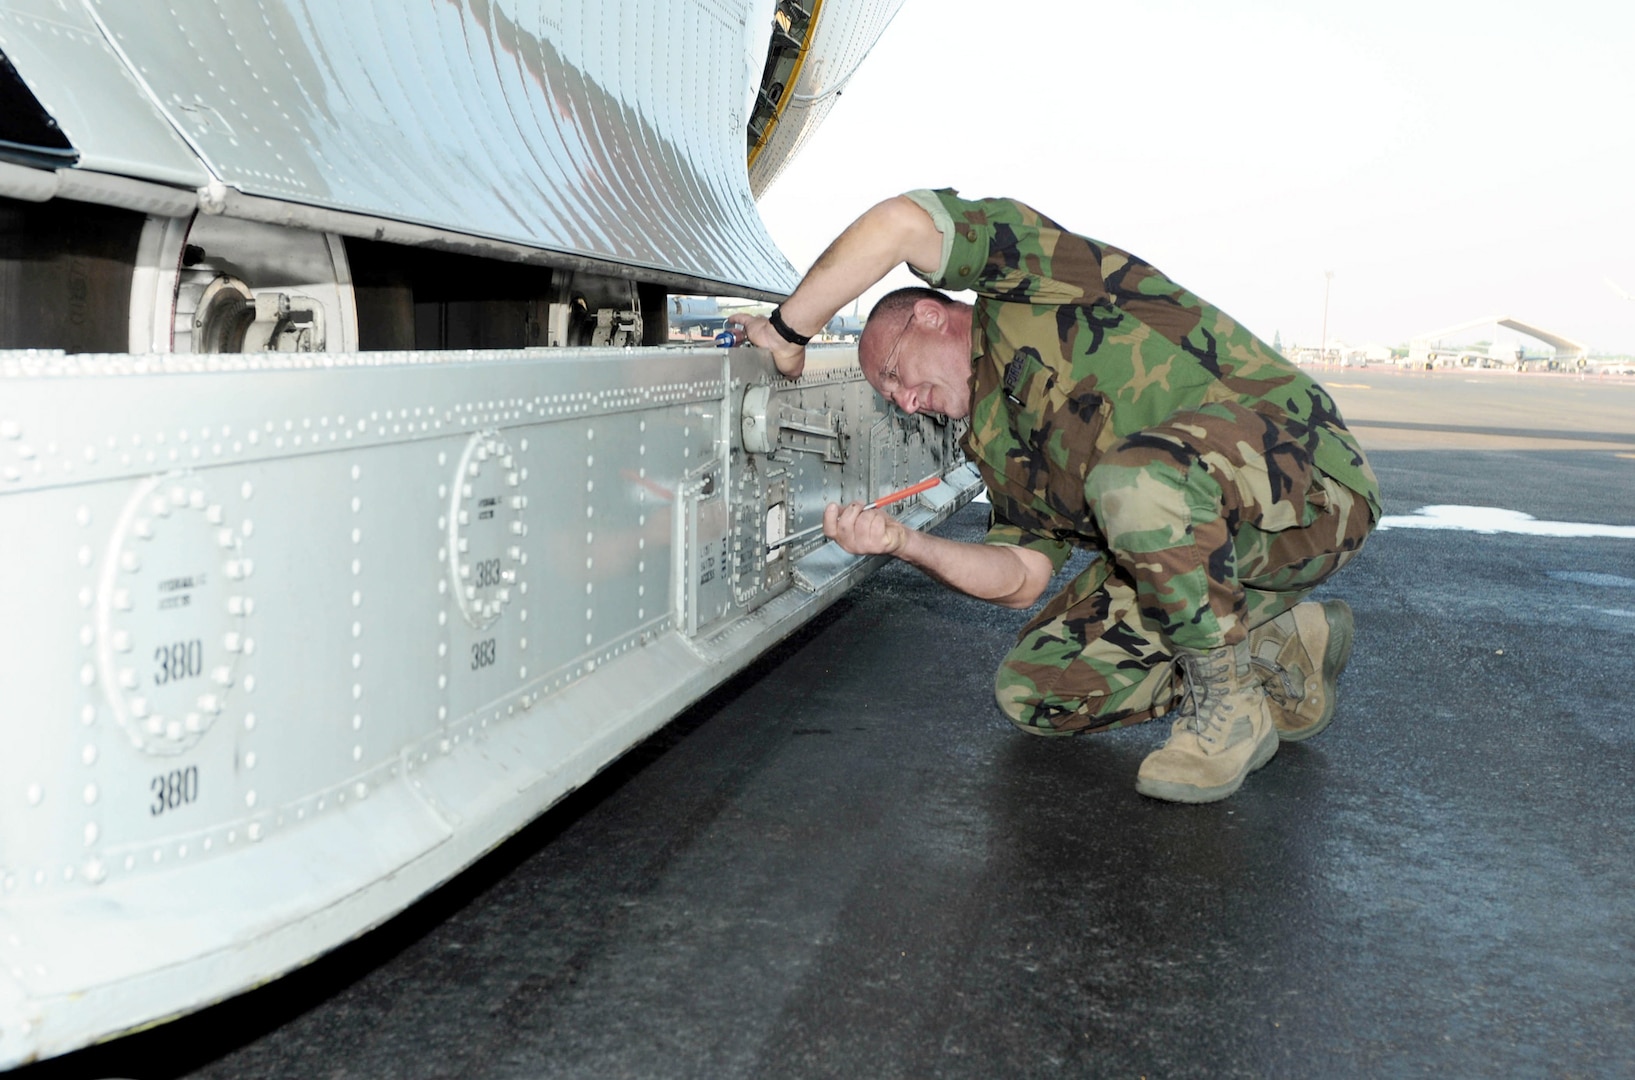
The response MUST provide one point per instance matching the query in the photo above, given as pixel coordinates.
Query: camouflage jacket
(1076, 344)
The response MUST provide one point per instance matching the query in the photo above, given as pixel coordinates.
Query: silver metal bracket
(770, 426)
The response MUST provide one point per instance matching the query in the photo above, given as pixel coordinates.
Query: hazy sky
(1446, 159)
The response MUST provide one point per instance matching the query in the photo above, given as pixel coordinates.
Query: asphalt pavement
(846, 862)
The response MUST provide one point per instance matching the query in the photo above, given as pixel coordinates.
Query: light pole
(1322, 348)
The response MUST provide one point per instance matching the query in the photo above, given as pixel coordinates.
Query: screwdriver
(885, 500)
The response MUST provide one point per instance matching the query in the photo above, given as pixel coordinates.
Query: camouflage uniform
(1114, 410)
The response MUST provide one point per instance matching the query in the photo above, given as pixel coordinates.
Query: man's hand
(757, 330)
(863, 532)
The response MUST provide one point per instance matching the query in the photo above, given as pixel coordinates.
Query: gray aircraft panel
(289, 640)
(80, 80)
(520, 121)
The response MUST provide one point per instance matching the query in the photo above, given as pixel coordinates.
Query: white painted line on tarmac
(1617, 613)
(1593, 579)
(1494, 519)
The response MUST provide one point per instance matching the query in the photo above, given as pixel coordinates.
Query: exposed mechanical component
(220, 285)
(792, 26)
(771, 424)
(590, 310)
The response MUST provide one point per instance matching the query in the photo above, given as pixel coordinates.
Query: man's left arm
(894, 231)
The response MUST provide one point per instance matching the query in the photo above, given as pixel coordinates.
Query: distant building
(1440, 348)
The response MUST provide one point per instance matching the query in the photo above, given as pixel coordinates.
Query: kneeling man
(1110, 409)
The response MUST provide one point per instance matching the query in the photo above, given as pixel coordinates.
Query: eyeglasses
(889, 369)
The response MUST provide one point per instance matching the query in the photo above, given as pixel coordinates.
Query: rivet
(357, 753)
(36, 794)
(90, 794)
(88, 754)
(249, 759)
(249, 721)
(249, 800)
(254, 831)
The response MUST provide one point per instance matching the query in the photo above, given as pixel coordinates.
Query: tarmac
(845, 862)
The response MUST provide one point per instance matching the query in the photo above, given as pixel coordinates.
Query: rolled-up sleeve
(1002, 533)
(1006, 250)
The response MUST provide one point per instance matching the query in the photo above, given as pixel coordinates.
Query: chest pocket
(1061, 428)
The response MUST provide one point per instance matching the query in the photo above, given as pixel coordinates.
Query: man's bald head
(915, 351)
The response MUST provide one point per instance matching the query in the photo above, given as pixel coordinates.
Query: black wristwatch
(776, 319)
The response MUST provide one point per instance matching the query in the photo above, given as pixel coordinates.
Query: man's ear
(930, 314)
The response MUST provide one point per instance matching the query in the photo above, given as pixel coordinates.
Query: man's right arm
(1012, 577)
(891, 232)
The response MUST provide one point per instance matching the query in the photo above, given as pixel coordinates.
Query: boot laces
(1285, 691)
(1205, 682)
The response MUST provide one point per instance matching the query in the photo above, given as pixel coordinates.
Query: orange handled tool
(885, 500)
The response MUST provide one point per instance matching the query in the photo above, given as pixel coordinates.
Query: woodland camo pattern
(1114, 410)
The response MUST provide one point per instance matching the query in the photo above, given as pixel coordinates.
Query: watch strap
(776, 319)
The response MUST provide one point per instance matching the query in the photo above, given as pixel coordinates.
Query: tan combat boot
(1299, 656)
(1222, 733)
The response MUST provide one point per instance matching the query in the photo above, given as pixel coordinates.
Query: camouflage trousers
(1213, 523)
